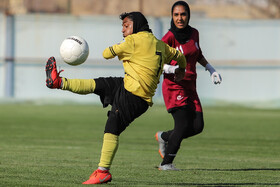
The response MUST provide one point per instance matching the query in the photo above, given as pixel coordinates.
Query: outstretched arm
(123, 50)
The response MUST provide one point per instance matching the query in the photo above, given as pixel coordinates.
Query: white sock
(103, 169)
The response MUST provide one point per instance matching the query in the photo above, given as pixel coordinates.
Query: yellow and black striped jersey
(143, 57)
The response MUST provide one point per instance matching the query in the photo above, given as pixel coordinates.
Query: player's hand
(179, 74)
(168, 69)
(216, 78)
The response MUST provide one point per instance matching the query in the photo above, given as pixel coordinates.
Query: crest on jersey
(179, 97)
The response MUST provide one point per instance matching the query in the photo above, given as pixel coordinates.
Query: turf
(53, 145)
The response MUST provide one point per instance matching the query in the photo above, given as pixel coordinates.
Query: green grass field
(60, 146)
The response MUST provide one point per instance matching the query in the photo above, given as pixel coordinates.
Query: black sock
(170, 154)
(165, 135)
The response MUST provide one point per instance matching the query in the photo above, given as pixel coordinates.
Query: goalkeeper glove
(169, 69)
(216, 77)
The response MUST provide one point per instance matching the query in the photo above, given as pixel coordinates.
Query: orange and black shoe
(99, 177)
(53, 79)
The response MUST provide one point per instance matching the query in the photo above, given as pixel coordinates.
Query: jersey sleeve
(123, 50)
(173, 54)
(200, 55)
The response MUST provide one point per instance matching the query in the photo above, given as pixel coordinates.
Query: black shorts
(125, 106)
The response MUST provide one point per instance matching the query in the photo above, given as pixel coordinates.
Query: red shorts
(181, 94)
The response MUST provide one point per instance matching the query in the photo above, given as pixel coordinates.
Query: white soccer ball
(74, 50)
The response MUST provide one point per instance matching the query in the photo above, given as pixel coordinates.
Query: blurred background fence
(242, 43)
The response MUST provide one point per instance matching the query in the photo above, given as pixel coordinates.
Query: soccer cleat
(168, 167)
(99, 177)
(162, 144)
(53, 79)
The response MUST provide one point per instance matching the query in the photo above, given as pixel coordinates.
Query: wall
(246, 53)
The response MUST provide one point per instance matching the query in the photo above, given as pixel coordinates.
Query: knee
(193, 130)
(198, 123)
(199, 128)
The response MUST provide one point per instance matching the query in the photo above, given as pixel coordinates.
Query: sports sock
(165, 135)
(170, 154)
(80, 86)
(109, 149)
(103, 169)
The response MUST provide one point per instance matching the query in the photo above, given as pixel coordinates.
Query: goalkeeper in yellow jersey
(143, 57)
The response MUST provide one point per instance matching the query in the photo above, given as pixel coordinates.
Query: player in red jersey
(181, 99)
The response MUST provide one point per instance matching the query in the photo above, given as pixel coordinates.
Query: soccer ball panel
(74, 50)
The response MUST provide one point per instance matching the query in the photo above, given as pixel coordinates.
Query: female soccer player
(143, 57)
(181, 99)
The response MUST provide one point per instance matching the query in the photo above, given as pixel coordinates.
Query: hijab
(181, 35)
(140, 23)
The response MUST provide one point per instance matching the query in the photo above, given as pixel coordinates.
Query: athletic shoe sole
(157, 138)
(49, 69)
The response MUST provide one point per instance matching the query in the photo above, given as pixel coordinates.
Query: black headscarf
(140, 23)
(181, 35)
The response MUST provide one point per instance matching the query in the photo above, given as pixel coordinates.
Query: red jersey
(183, 93)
